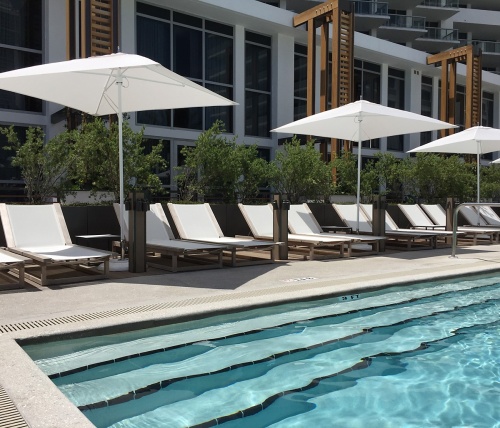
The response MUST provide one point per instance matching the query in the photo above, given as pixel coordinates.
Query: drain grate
(9, 415)
(296, 285)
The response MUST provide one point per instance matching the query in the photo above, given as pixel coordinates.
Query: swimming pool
(424, 355)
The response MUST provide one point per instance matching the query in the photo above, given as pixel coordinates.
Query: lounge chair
(301, 221)
(420, 220)
(489, 215)
(181, 254)
(260, 221)
(11, 267)
(438, 215)
(39, 232)
(411, 238)
(197, 222)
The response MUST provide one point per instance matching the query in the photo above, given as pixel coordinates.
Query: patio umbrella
(110, 84)
(476, 140)
(360, 121)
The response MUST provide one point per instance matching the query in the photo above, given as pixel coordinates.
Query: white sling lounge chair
(301, 221)
(197, 222)
(40, 233)
(348, 214)
(438, 215)
(420, 220)
(260, 221)
(489, 215)
(174, 254)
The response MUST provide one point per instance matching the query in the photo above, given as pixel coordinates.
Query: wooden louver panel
(474, 75)
(101, 27)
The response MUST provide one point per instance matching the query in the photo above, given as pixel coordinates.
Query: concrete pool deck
(156, 297)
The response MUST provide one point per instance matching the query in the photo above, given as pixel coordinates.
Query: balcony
(402, 28)
(437, 40)
(491, 52)
(370, 15)
(438, 10)
(403, 4)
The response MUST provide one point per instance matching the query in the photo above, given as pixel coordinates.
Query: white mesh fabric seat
(197, 222)
(182, 254)
(301, 221)
(260, 221)
(40, 233)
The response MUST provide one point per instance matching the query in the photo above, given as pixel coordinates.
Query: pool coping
(40, 402)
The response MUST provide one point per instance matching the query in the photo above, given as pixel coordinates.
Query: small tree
(97, 164)
(490, 182)
(44, 167)
(220, 168)
(299, 172)
(346, 174)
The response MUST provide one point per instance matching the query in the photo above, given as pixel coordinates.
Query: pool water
(416, 356)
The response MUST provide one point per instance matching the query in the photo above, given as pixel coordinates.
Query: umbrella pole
(119, 82)
(478, 182)
(358, 190)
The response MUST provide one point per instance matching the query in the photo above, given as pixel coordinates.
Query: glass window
(218, 59)
(188, 52)
(460, 107)
(21, 23)
(21, 46)
(149, 29)
(487, 109)
(198, 49)
(487, 116)
(257, 85)
(367, 87)
(366, 81)
(426, 107)
(396, 99)
(300, 82)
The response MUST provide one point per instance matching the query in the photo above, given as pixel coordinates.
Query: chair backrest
(489, 215)
(348, 214)
(34, 225)
(436, 213)
(116, 206)
(390, 224)
(416, 215)
(259, 219)
(301, 220)
(472, 216)
(195, 221)
(158, 228)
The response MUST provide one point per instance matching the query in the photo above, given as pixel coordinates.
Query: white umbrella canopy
(110, 84)
(476, 140)
(360, 121)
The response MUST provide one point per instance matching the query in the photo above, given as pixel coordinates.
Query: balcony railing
(403, 21)
(448, 34)
(441, 3)
(485, 45)
(371, 8)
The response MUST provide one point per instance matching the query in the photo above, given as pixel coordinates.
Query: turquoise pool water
(417, 356)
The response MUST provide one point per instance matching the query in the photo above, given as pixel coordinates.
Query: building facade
(249, 51)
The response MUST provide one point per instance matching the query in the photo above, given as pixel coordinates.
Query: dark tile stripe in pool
(150, 389)
(364, 363)
(270, 400)
(164, 349)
